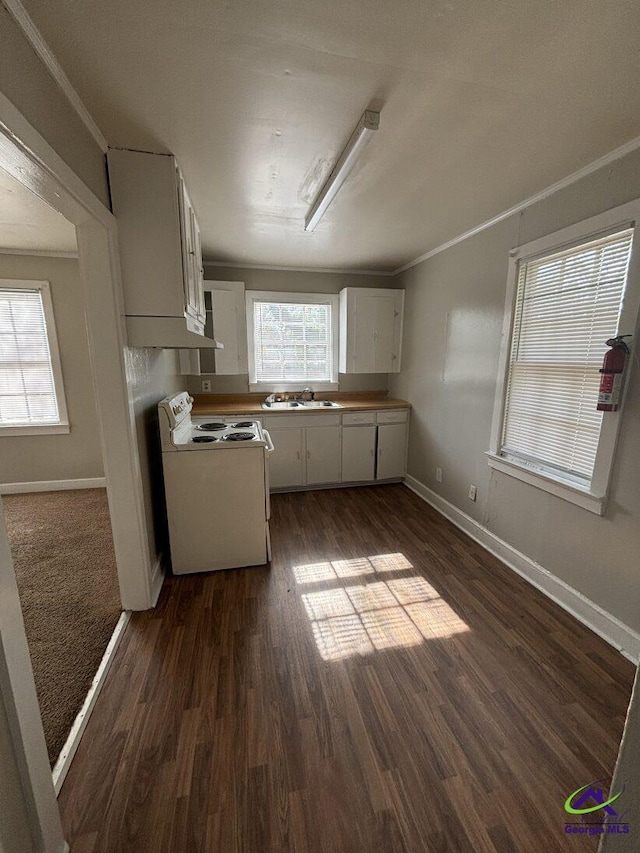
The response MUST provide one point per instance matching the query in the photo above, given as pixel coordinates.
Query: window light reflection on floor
(373, 614)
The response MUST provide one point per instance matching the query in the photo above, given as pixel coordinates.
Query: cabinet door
(225, 330)
(323, 455)
(198, 269)
(374, 333)
(286, 463)
(392, 451)
(358, 453)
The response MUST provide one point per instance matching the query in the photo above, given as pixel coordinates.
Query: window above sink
(292, 341)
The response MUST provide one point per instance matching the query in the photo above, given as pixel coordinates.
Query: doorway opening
(51, 466)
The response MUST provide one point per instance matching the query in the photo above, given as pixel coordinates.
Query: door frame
(26, 155)
(30, 159)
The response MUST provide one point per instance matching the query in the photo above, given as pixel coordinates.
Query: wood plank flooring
(385, 686)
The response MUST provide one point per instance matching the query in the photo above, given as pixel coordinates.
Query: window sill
(276, 387)
(541, 480)
(35, 429)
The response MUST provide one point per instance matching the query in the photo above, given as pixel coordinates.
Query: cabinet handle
(372, 452)
(308, 454)
(298, 454)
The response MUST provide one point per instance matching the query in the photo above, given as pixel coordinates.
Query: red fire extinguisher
(612, 374)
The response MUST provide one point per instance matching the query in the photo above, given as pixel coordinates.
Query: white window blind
(27, 385)
(567, 305)
(292, 342)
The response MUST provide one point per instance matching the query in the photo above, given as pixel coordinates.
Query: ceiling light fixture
(369, 122)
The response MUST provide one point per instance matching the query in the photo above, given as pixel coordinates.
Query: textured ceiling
(28, 224)
(483, 103)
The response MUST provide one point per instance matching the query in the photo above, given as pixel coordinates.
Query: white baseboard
(615, 632)
(53, 485)
(157, 579)
(73, 740)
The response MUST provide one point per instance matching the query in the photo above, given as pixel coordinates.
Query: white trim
(157, 580)
(617, 634)
(80, 723)
(53, 485)
(39, 253)
(548, 483)
(62, 424)
(594, 499)
(332, 299)
(36, 429)
(589, 169)
(37, 42)
(333, 271)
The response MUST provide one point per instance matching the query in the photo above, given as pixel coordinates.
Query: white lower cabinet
(318, 450)
(287, 462)
(323, 455)
(358, 454)
(392, 451)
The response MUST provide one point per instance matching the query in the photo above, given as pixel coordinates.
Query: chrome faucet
(306, 394)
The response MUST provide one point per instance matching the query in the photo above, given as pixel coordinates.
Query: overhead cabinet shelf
(160, 252)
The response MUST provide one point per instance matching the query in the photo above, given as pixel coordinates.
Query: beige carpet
(63, 555)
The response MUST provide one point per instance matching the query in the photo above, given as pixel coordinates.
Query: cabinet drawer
(352, 418)
(395, 416)
(296, 420)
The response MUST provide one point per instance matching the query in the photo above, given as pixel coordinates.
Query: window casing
(567, 294)
(31, 389)
(292, 340)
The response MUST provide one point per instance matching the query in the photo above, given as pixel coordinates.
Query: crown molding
(42, 49)
(38, 253)
(334, 271)
(589, 169)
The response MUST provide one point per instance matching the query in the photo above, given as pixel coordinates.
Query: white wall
(292, 282)
(453, 317)
(151, 375)
(32, 458)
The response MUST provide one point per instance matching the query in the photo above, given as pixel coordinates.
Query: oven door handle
(270, 447)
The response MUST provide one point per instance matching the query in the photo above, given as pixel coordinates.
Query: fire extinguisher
(612, 371)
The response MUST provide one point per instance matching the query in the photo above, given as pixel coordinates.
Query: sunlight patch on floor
(374, 614)
(328, 571)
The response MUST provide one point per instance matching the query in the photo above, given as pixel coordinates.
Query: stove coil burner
(212, 427)
(203, 439)
(243, 424)
(239, 436)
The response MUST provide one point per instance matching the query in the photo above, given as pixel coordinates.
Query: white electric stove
(218, 496)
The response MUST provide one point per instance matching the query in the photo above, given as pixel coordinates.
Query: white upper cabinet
(160, 252)
(370, 330)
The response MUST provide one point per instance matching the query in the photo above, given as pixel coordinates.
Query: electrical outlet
(472, 493)
(439, 475)
(206, 385)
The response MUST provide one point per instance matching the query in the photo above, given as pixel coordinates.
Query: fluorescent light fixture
(369, 122)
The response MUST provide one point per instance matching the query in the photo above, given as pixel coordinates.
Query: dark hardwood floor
(386, 685)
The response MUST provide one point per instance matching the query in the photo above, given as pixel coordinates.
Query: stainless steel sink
(285, 404)
(301, 404)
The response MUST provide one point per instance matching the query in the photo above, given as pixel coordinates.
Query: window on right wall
(567, 294)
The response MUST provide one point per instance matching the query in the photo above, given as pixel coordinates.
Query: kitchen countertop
(251, 404)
